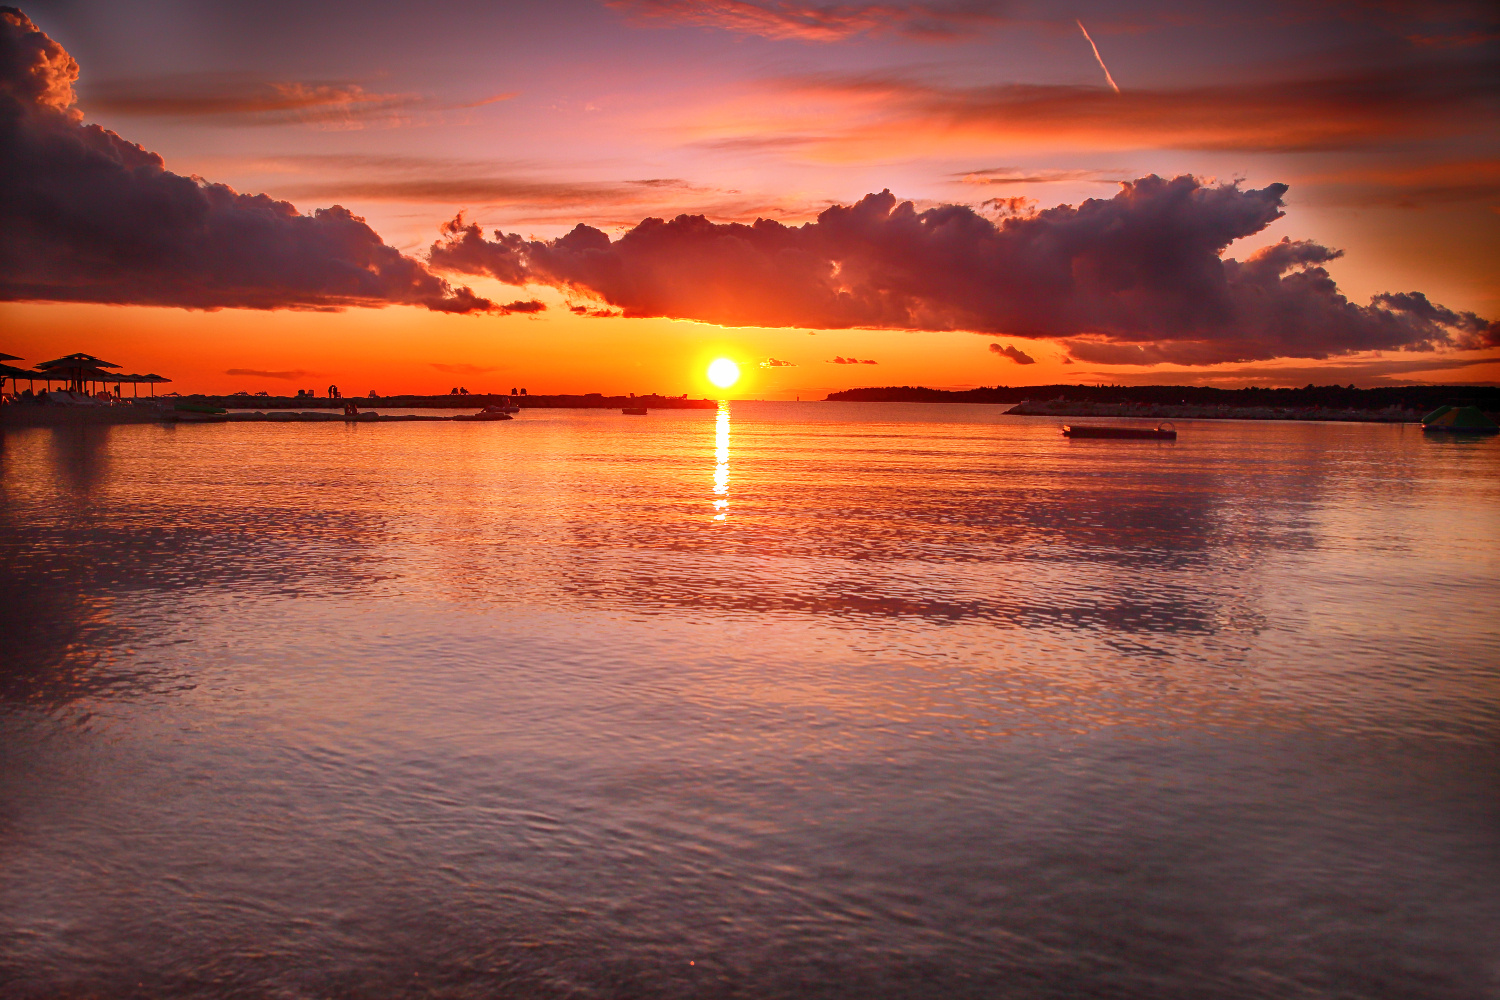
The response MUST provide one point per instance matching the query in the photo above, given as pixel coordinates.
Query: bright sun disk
(723, 373)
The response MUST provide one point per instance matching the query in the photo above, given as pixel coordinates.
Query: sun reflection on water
(721, 461)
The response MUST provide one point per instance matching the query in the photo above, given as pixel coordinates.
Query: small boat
(634, 411)
(1161, 432)
(488, 413)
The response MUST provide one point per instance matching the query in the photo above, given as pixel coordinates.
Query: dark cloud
(1017, 355)
(288, 376)
(1133, 279)
(86, 216)
(594, 312)
(840, 360)
(775, 363)
(1004, 208)
(522, 306)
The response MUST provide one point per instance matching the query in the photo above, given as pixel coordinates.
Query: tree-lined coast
(1385, 404)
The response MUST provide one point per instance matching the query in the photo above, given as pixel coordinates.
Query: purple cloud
(1133, 279)
(86, 216)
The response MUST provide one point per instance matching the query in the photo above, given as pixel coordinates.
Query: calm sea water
(801, 700)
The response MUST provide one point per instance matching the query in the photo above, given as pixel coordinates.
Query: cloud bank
(1133, 279)
(86, 216)
(881, 114)
(240, 99)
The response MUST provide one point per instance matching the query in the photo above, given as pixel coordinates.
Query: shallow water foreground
(787, 700)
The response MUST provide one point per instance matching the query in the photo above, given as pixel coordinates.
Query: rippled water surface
(802, 700)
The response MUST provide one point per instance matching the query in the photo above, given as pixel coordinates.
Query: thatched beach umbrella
(10, 372)
(76, 369)
(153, 378)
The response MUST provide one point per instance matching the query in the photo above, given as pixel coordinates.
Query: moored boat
(488, 413)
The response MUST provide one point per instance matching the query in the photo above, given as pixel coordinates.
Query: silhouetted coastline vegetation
(1309, 402)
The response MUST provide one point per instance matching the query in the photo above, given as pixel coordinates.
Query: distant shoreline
(1053, 408)
(449, 401)
(1386, 404)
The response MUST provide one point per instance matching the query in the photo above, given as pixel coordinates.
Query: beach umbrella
(81, 374)
(73, 360)
(153, 378)
(8, 357)
(10, 372)
(76, 369)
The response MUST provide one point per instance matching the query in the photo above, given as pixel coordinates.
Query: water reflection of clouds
(107, 541)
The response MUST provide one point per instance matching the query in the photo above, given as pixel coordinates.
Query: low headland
(452, 401)
(66, 408)
(1386, 404)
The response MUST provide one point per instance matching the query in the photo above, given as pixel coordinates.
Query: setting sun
(723, 373)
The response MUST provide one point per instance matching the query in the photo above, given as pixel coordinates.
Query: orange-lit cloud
(1005, 176)
(463, 369)
(1136, 279)
(861, 116)
(90, 217)
(813, 22)
(1417, 185)
(240, 99)
(291, 375)
(1375, 371)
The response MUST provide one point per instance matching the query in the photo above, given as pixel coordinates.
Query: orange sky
(532, 118)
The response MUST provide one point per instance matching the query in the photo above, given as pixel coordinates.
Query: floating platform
(1459, 420)
(1157, 433)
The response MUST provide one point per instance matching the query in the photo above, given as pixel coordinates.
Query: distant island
(1393, 404)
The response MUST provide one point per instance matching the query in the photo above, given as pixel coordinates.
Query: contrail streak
(1097, 55)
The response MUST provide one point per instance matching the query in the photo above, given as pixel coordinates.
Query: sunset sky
(1365, 135)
